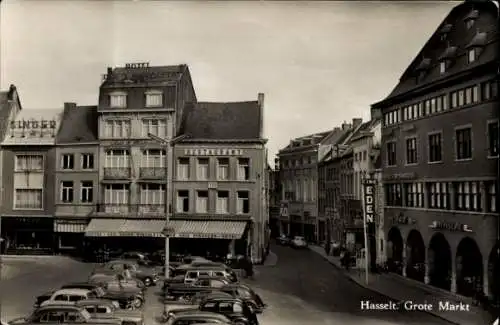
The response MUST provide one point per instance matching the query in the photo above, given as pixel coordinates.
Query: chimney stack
(260, 101)
(356, 122)
(69, 106)
(110, 71)
(346, 126)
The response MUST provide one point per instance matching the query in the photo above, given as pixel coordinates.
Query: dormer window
(475, 47)
(471, 18)
(442, 66)
(118, 100)
(444, 31)
(154, 98)
(471, 55)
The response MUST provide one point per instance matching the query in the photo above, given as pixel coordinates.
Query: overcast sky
(318, 63)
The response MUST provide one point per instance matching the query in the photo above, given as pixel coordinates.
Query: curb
(350, 278)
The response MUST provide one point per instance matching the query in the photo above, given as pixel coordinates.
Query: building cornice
(68, 144)
(135, 110)
(224, 141)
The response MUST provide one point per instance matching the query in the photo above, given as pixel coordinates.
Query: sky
(318, 63)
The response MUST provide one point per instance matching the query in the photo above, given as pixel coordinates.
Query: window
(155, 127)
(118, 100)
(489, 90)
(454, 99)
(223, 168)
(86, 192)
(435, 148)
(116, 194)
(461, 97)
(87, 161)
(183, 201)
(414, 195)
(433, 105)
(154, 99)
(183, 169)
(29, 162)
(411, 151)
(493, 139)
(471, 55)
(393, 195)
(202, 169)
(222, 202)
(243, 169)
(420, 107)
(442, 67)
(365, 155)
(153, 158)
(153, 194)
(67, 191)
(243, 202)
(468, 96)
(117, 129)
(468, 197)
(391, 153)
(28, 199)
(117, 158)
(491, 191)
(438, 195)
(68, 161)
(201, 201)
(463, 148)
(427, 105)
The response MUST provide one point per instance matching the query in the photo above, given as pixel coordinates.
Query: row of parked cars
(295, 241)
(202, 291)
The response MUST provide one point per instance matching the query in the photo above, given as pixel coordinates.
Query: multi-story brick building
(77, 176)
(28, 174)
(136, 101)
(440, 154)
(220, 202)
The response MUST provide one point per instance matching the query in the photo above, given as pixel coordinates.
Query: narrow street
(303, 288)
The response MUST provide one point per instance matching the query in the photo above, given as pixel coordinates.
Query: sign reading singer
(33, 124)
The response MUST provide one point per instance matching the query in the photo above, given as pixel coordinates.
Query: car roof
(53, 306)
(190, 313)
(121, 260)
(201, 267)
(77, 284)
(74, 291)
(219, 298)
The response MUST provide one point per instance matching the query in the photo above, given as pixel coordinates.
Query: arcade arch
(469, 267)
(439, 259)
(395, 250)
(415, 256)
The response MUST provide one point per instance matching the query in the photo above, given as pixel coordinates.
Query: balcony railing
(116, 172)
(132, 210)
(152, 172)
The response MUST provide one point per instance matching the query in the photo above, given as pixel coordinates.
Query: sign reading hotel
(213, 152)
(32, 127)
(143, 72)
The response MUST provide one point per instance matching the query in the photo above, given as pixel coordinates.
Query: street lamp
(169, 164)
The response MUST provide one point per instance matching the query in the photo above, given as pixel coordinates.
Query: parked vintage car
(99, 308)
(196, 317)
(186, 291)
(237, 310)
(299, 242)
(245, 293)
(67, 295)
(103, 279)
(283, 240)
(189, 274)
(125, 297)
(63, 314)
(147, 275)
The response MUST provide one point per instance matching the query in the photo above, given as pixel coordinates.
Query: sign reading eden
(33, 124)
(213, 152)
(369, 200)
(450, 226)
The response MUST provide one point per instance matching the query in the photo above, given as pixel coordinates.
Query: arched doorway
(439, 262)
(395, 251)
(493, 272)
(415, 266)
(469, 266)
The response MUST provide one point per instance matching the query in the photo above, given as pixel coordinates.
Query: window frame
(181, 208)
(118, 94)
(84, 188)
(463, 128)
(387, 158)
(429, 147)
(490, 139)
(407, 161)
(68, 161)
(153, 92)
(87, 157)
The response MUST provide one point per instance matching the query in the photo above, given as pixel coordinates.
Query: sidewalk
(402, 289)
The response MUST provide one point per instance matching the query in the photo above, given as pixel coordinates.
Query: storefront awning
(101, 227)
(207, 229)
(70, 226)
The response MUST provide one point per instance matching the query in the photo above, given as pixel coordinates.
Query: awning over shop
(207, 229)
(101, 227)
(72, 226)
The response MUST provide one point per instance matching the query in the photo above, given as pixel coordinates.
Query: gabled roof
(78, 125)
(222, 121)
(457, 35)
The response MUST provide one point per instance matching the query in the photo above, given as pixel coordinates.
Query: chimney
(356, 122)
(110, 71)
(12, 92)
(69, 106)
(260, 101)
(346, 126)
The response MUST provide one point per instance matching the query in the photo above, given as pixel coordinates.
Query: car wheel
(137, 303)
(148, 282)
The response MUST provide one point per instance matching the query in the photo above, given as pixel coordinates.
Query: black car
(246, 294)
(237, 310)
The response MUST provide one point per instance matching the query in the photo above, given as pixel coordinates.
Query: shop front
(70, 235)
(27, 234)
